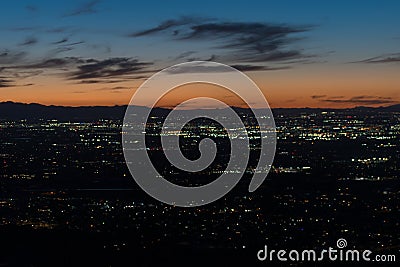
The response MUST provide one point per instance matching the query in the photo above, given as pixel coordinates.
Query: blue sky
(321, 33)
(339, 25)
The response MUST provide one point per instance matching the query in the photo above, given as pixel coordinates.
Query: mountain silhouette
(20, 111)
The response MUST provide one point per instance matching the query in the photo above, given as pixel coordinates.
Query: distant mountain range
(17, 111)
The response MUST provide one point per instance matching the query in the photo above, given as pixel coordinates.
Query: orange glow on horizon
(287, 88)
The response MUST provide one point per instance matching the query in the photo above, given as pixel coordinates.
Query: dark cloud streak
(6, 83)
(168, 24)
(52, 63)
(257, 67)
(84, 70)
(361, 100)
(29, 41)
(240, 41)
(390, 58)
(184, 55)
(86, 8)
(318, 96)
(64, 40)
(109, 68)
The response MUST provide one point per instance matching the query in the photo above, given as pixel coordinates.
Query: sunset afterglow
(98, 53)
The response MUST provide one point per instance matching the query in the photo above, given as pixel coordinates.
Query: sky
(300, 53)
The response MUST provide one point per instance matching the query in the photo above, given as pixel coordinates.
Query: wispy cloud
(6, 83)
(204, 68)
(75, 43)
(86, 8)
(209, 58)
(63, 40)
(361, 100)
(115, 89)
(62, 47)
(11, 57)
(91, 81)
(53, 63)
(184, 55)
(26, 74)
(318, 96)
(257, 67)
(110, 68)
(200, 68)
(388, 58)
(173, 24)
(29, 41)
(81, 70)
(239, 41)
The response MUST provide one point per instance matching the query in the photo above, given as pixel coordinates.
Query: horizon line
(123, 105)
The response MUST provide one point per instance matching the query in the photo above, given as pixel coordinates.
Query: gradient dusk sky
(300, 53)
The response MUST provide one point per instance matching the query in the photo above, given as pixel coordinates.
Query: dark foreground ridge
(20, 111)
